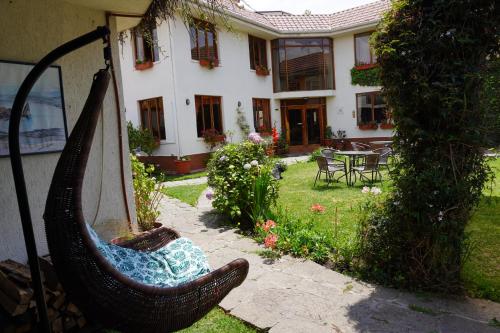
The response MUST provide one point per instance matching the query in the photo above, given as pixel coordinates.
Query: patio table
(351, 155)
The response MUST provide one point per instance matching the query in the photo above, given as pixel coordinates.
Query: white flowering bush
(238, 175)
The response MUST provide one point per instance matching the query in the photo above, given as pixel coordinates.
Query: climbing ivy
(365, 77)
(431, 55)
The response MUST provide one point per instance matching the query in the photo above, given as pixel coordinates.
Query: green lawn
(481, 273)
(186, 193)
(217, 321)
(171, 178)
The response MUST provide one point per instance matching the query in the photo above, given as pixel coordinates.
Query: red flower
(270, 241)
(317, 208)
(269, 225)
(275, 135)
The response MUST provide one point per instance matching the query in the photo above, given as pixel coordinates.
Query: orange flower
(270, 241)
(317, 208)
(269, 225)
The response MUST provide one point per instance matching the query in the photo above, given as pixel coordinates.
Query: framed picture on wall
(43, 124)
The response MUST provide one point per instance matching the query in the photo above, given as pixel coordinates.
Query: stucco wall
(176, 77)
(342, 108)
(28, 31)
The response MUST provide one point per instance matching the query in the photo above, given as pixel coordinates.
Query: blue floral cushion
(180, 261)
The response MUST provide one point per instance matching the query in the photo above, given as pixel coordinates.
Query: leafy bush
(139, 138)
(147, 193)
(417, 239)
(240, 176)
(314, 155)
(366, 77)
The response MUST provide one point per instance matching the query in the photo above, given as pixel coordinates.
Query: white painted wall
(340, 110)
(176, 77)
(28, 31)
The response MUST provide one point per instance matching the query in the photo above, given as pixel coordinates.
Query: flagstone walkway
(294, 295)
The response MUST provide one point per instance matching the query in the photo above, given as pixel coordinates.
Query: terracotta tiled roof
(289, 23)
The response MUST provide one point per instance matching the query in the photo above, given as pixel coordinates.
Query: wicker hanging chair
(103, 294)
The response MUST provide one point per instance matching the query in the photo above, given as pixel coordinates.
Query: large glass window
(257, 48)
(371, 108)
(364, 54)
(208, 114)
(146, 46)
(261, 115)
(152, 117)
(203, 41)
(302, 64)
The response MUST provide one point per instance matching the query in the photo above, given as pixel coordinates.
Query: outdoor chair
(384, 154)
(370, 165)
(329, 169)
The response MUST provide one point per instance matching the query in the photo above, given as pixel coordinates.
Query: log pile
(18, 302)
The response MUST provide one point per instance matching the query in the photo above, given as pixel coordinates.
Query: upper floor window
(152, 117)
(371, 108)
(364, 54)
(208, 114)
(261, 114)
(258, 55)
(146, 46)
(302, 64)
(203, 40)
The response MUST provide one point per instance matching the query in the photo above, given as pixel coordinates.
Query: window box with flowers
(261, 70)
(387, 126)
(182, 165)
(143, 65)
(213, 138)
(209, 63)
(368, 126)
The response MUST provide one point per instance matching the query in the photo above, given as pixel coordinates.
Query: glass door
(313, 126)
(296, 126)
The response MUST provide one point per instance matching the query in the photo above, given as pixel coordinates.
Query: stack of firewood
(18, 301)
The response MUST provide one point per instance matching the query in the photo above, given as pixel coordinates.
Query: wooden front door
(304, 123)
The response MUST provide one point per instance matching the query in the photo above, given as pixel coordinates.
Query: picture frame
(43, 127)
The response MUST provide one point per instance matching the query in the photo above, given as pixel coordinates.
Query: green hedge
(366, 77)
(431, 55)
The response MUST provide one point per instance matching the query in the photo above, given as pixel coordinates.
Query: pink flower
(255, 138)
(269, 225)
(270, 241)
(317, 208)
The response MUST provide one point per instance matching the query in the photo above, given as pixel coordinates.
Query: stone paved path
(294, 295)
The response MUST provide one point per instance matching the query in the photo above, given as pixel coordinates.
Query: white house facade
(283, 70)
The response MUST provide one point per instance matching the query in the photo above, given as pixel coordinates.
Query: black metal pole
(17, 166)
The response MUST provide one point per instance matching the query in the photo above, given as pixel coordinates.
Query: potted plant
(328, 140)
(368, 126)
(142, 65)
(182, 165)
(261, 70)
(209, 63)
(388, 124)
(339, 140)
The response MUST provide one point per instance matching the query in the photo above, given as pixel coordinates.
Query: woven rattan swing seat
(102, 293)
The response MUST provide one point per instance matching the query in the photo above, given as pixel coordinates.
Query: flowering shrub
(255, 138)
(147, 193)
(286, 234)
(241, 178)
